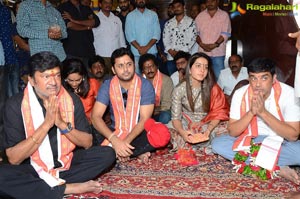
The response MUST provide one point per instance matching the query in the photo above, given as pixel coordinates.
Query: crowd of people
(100, 89)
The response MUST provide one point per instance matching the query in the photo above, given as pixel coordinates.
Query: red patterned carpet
(164, 178)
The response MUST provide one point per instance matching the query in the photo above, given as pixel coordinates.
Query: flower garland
(241, 167)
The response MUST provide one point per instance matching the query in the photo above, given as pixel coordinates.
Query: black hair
(206, 85)
(181, 54)
(262, 65)
(151, 6)
(41, 62)
(120, 52)
(71, 66)
(239, 56)
(147, 57)
(178, 1)
(96, 59)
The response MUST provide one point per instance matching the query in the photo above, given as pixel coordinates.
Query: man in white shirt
(181, 60)
(229, 77)
(109, 36)
(179, 34)
(265, 111)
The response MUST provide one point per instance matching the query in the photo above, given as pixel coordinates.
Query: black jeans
(22, 181)
(140, 143)
(3, 97)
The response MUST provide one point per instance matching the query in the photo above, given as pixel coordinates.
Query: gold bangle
(34, 140)
(112, 135)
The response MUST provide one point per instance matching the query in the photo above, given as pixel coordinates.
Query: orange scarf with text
(157, 84)
(244, 140)
(42, 159)
(125, 118)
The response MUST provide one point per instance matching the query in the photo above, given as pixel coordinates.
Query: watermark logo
(236, 10)
(266, 10)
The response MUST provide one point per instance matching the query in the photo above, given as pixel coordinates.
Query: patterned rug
(164, 178)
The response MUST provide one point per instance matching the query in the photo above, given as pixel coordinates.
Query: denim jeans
(163, 117)
(218, 65)
(12, 78)
(289, 154)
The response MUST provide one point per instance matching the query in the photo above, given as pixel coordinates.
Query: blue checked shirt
(33, 22)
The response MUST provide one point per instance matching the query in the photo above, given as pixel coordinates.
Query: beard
(126, 79)
(124, 8)
(182, 71)
(141, 5)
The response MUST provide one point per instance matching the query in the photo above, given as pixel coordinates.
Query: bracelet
(34, 140)
(111, 136)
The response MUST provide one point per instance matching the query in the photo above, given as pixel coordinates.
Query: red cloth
(219, 108)
(157, 133)
(89, 101)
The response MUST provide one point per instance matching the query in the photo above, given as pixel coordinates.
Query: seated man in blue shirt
(131, 100)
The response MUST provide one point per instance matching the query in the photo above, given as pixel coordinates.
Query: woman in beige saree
(199, 107)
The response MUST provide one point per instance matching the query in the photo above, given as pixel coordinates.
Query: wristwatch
(68, 129)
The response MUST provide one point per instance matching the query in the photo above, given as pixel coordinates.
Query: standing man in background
(214, 29)
(124, 6)
(11, 66)
(109, 36)
(43, 25)
(142, 31)
(179, 34)
(79, 20)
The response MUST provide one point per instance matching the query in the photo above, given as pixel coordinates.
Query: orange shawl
(125, 119)
(157, 84)
(244, 140)
(89, 101)
(42, 159)
(219, 108)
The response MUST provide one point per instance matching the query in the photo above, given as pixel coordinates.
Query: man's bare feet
(289, 174)
(84, 187)
(144, 158)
